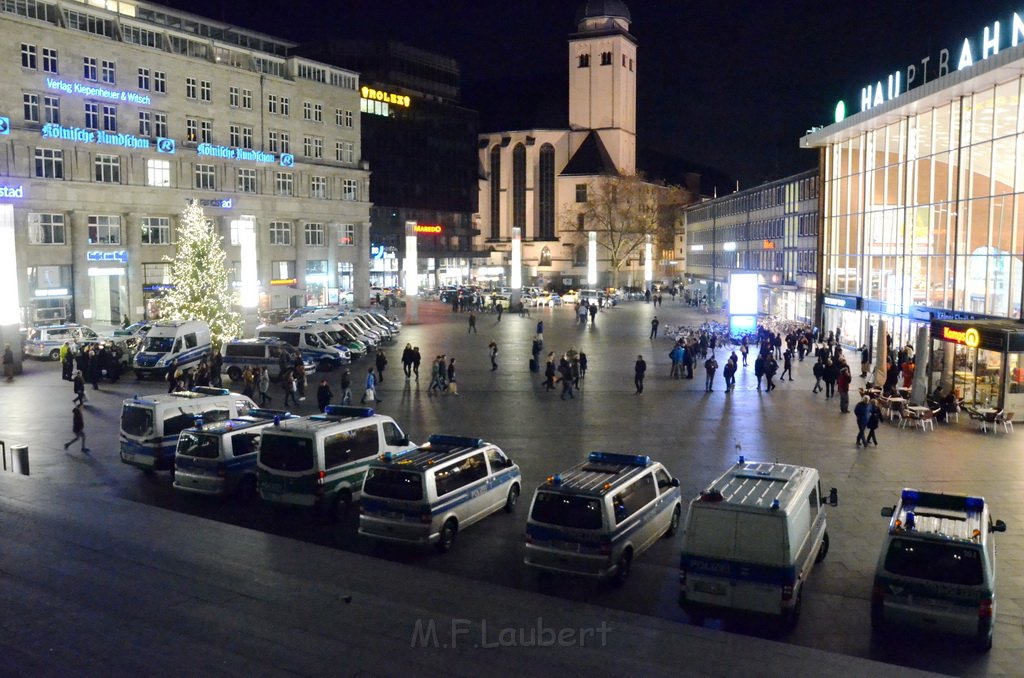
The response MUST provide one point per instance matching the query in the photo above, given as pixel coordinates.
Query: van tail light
(426, 516)
(878, 594)
(985, 608)
(321, 480)
(606, 549)
(787, 592)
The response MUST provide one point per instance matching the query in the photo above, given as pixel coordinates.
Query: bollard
(19, 459)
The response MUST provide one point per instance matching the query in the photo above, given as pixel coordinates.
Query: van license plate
(713, 588)
(563, 545)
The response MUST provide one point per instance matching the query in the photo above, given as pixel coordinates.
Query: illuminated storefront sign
(968, 337)
(428, 228)
(117, 255)
(284, 281)
(768, 244)
(88, 136)
(386, 97)
(222, 203)
(12, 192)
(235, 153)
(100, 92)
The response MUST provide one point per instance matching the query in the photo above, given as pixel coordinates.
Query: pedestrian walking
(770, 368)
(540, 332)
(67, 361)
(407, 357)
(843, 380)
(874, 419)
(759, 370)
(787, 365)
(381, 362)
(499, 309)
(565, 375)
(249, 379)
(436, 380)
(346, 387)
(861, 411)
(583, 365)
(453, 386)
(493, 349)
(593, 314)
(819, 372)
(710, 367)
(323, 395)
(289, 388)
(654, 327)
(549, 373)
(639, 371)
(416, 358)
(78, 385)
(299, 373)
(744, 350)
(370, 394)
(8, 363)
(77, 427)
(472, 323)
(865, 360)
(729, 372)
(829, 374)
(264, 387)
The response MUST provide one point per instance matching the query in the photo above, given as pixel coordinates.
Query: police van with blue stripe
(150, 425)
(181, 344)
(598, 516)
(750, 541)
(220, 458)
(429, 494)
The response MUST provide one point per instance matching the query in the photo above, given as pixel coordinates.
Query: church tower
(602, 81)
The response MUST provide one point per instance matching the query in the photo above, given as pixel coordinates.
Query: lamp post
(592, 259)
(412, 283)
(516, 274)
(250, 294)
(648, 263)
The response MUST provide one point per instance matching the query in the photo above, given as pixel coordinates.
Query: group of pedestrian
(411, 361)
(442, 376)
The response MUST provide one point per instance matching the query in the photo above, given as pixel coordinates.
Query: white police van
(937, 568)
(220, 458)
(751, 539)
(320, 461)
(598, 516)
(181, 343)
(308, 340)
(150, 425)
(429, 494)
(270, 353)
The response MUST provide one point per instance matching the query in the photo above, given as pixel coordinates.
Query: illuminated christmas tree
(201, 285)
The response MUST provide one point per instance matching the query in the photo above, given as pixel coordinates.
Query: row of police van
(750, 539)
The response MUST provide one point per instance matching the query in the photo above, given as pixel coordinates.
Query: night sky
(729, 85)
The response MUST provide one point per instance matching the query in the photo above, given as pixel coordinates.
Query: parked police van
(429, 494)
(183, 343)
(308, 341)
(150, 425)
(220, 458)
(751, 539)
(320, 461)
(937, 568)
(598, 516)
(270, 353)
(45, 341)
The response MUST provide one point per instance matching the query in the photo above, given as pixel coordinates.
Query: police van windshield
(286, 453)
(567, 511)
(391, 484)
(159, 344)
(137, 421)
(946, 563)
(199, 445)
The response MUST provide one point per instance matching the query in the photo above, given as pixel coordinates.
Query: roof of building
(599, 8)
(590, 158)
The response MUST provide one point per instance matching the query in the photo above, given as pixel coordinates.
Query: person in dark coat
(639, 370)
(407, 361)
(770, 368)
(77, 427)
(710, 367)
(381, 362)
(323, 395)
(78, 385)
(416, 359)
(549, 373)
(860, 411)
(759, 369)
(874, 419)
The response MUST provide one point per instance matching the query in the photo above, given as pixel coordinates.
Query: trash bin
(19, 459)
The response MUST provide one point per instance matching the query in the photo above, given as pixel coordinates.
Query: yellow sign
(968, 337)
(386, 97)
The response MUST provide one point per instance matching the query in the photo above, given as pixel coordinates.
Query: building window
(108, 169)
(318, 187)
(206, 177)
(51, 109)
(233, 97)
(349, 189)
(348, 119)
(92, 115)
(104, 230)
(109, 72)
(191, 88)
(246, 180)
(144, 79)
(581, 192)
(89, 68)
(286, 142)
(318, 113)
(584, 61)
(234, 135)
(109, 118)
(160, 82)
(247, 99)
(160, 124)
(158, 173)
(283, 183)
(205, 91)
(273, 143)
(313, 147)
(314, 235)
(606, 58)
(546, 193)
(49, 60)
(246, 137)
(205, 131)
(519, 187)
(280, 233)
(581, 222)
(346, 235)
(307, 110)
(271, 103)
(28, 56)
(545, 257)
(285, 106)
(31, 102)
(191, 130)
(495, 183)
(46, 229)
(156, 231)
(344, 151)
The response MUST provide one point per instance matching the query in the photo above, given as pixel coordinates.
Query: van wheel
(512, 499)
(448, 532)
(673, 526)
(235, 373)
(341, 507)
(622, 571)
(247, 489)
(325, 366)
(55, 354)
(823, 551)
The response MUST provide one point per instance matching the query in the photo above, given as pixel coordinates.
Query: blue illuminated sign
(287, 160)
(223, 203)
(101, 92)
(120, 256)
(88, 136)
(12, 192)
(235, 153)
(165, 145)
(5, 125)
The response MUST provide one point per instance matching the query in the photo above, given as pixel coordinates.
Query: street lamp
(592, 259)
(516, 277)
(412, 283)
(648, 263)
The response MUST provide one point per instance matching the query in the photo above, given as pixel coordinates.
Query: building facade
(772, 231)
(535, 180)
(421, 147)
(117, 117)
(923, 219)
